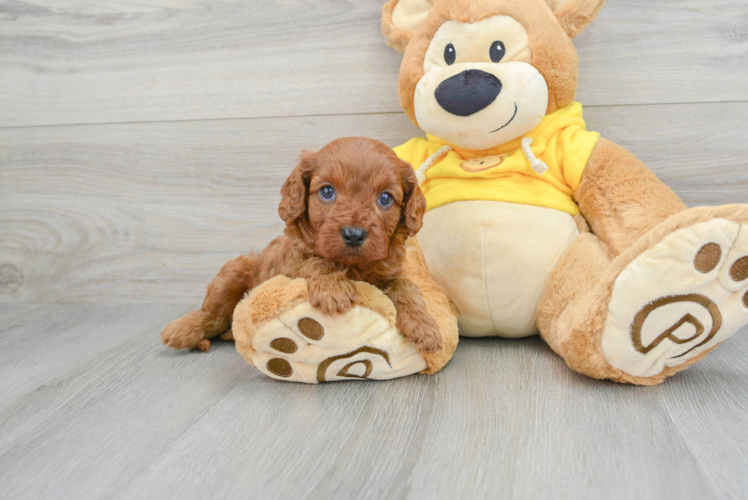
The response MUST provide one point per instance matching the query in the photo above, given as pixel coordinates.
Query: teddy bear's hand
(419, 327)
(332, 294)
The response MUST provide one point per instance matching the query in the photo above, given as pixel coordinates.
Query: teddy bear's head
(480, 73)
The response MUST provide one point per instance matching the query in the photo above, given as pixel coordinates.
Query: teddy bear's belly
(493, 260)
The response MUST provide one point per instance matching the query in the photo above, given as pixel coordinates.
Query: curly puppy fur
(359, 170)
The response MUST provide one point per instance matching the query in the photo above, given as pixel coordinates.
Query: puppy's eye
(385, 199)
(327, 193)
(497, 51)
(450, 54)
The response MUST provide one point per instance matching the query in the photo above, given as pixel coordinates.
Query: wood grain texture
(120, 61)
(139, 213)
(93, 407)
(117, 400)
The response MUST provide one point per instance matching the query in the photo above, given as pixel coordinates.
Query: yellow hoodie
(504, 173)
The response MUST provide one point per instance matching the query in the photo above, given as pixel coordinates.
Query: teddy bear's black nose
(467, 92)
(354, 236)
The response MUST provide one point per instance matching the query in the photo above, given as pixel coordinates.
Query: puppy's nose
(353, 236)
(468, 92)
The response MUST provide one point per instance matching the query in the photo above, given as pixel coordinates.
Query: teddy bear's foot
(679, 298)
(306, 345)
(279, 332)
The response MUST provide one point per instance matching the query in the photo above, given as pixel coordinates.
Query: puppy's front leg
(329, 289)
(413, 319)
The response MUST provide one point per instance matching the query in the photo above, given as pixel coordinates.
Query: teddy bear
(536, 225)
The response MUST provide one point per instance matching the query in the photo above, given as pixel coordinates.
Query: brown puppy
(348, 210)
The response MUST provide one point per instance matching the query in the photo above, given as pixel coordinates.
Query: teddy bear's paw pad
(305, 345)
(683, 296)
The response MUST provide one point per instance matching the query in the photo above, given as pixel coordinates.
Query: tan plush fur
(625, 208)
(622, 199)
(575, 16)
(396, 38)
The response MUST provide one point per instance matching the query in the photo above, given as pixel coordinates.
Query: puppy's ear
(401, 19)
(575, 15)
(414, 202)
(295, 190)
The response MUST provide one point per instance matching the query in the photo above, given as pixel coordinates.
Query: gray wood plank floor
(93, 407)
(143, 144)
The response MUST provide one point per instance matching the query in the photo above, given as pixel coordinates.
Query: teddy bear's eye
(497, 51)
(450, 54)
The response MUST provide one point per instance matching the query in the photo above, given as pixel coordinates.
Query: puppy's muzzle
(468, 92)
(353, 236)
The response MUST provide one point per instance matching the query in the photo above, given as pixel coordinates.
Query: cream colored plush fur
(498, 230)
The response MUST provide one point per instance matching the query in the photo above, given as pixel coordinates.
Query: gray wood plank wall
(143, 144)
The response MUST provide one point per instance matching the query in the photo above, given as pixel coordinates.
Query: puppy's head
(352, 201)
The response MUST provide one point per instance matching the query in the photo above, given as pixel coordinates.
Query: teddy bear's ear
(575, 15)
(401, 19)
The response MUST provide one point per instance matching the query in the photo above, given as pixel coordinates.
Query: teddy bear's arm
(620, 198)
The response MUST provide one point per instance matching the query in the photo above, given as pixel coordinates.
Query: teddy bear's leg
(576, 274)
(655, 288)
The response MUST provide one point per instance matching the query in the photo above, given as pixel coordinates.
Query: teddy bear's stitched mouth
(507, 123)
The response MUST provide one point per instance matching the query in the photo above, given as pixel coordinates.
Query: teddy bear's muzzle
(468, 92)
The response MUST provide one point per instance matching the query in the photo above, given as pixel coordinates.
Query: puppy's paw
(420, 328)
(332, 296)
(185, 332)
